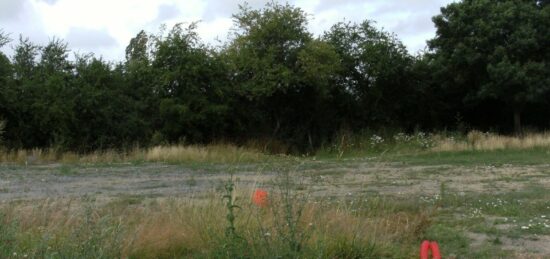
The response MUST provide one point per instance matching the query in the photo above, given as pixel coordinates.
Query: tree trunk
(517, 122)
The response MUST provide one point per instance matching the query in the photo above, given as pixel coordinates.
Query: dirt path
(321, 178)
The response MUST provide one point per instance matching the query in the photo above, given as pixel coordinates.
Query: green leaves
(495, 50)
(272, 79)
(319, 64)
(265, 49)
(375, 72)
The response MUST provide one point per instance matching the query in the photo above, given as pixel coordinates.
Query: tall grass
(214, 153)
(377, 143)
(184, 228)
(343, 145)
(480, 141)
(222, 153)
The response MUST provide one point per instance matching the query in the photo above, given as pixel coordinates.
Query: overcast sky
(105, 27)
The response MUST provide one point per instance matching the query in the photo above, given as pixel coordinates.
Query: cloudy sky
(105, 27)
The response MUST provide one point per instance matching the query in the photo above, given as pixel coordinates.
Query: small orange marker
(260, 198)
(428, 246)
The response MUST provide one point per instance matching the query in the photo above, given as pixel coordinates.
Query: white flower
(524, 227)
(376, 140)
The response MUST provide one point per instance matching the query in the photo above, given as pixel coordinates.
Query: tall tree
(140, 80)
(106, 117)
(19, 95)
(495, 50)
(190, 85)
(5, 76)
(25, 59)
(53, 107)
(5, 65)
(281, 73)
(375, 75)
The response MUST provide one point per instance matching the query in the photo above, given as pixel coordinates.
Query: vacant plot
(475, 204)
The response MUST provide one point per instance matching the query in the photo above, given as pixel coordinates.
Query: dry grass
(222, 153)
(476, 140)
(214, 153)
(170, 227)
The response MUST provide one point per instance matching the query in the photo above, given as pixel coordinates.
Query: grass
(496, 220)
(479, 141)
(491, 222)
(214, 153)
(294, 225)
(475, 147)
(183, 228)
(527, 156)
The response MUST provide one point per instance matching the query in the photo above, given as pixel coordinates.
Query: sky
(105, 27)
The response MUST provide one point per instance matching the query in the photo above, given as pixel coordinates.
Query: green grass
(482, 222)
(532, 156)
(358, 226)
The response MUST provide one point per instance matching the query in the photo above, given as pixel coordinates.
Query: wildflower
(524, 227)
(376, 140)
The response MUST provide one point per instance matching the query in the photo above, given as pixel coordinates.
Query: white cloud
(116, 21)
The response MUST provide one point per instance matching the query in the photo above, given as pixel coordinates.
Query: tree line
(272, 79)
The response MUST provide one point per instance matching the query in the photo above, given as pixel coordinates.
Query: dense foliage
(273, 80)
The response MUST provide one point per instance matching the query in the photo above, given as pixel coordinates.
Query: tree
(494, 50)
(190, 85)
(282, 74)
(137, 50)
(18, 95)
(140, 80)
(25, 59)
(52, 107)
(5, 79)
(106, 116)
(375, 74)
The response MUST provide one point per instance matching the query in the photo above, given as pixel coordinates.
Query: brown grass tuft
(183, 227)
(476, 140)
(214, 153)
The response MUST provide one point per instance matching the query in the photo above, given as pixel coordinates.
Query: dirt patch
(322, 178)
(535, 246)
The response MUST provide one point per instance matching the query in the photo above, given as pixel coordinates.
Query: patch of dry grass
(178, 227)
(479, 141)
(214, 153)
(222, 153)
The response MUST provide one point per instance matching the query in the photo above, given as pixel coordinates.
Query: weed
(233, 241)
